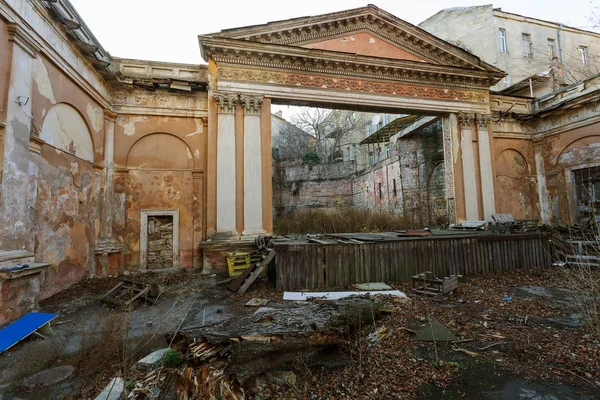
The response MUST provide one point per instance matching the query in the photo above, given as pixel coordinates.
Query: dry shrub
(340, 220)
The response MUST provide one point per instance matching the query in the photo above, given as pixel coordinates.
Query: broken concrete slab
(434, 331)
(115, 390)
(49, 377)
(303, 296)
(151, 361)
(372, 286)
(264, 309)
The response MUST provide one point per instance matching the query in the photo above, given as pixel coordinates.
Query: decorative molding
(483, 121)
(21, 38)
(449, 169)
(226, 102)
(300, 31)
(251, 104)
(350, 65)
(467, 120)
(293, 79)
(110, 115)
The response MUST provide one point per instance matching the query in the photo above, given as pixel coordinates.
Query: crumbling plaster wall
(5, 55)
(298, 185)
(417, 167)
(515, 178)
(159, 162)
(562, 154)
(68, 186)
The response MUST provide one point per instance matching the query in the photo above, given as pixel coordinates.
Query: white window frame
(584, 55)
(502, 38)
(551, 48)
(527, 45)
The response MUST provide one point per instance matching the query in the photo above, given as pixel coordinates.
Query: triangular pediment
(366, 43)
(366, 31)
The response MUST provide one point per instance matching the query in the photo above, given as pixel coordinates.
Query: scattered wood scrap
(240, 284)
(128, 293)
(226, 355)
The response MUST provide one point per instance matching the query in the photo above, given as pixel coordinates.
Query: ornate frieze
(251, 104)
(357, 85)
(449, 169)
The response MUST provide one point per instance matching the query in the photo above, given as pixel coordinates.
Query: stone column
(486, 167)
(226, 198)
(469, 165)
(107, 244)
(253, 204)
(16, 220)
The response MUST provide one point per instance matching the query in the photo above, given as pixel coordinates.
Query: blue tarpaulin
(23, 327)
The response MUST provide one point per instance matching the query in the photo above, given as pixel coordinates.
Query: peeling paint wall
(515, 185)
(157, 159)
(564, 153)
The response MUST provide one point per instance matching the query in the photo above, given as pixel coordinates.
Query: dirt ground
(521, 338)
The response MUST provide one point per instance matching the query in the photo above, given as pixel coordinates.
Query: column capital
(21, 38)
(226, 102)
(483, 120)
(251, 104)
(466, 118)
(110, 115)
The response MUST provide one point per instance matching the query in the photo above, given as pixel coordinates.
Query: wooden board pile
(221, 358)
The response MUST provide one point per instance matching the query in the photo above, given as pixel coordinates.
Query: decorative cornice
(251, 104)
(278, 57)
(226, 102)
(300, 31)
(21, 38)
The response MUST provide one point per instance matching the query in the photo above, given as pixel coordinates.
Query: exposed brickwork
(160, 242)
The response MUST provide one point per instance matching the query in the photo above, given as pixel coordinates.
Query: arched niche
(582, 150)
(514, 184)
(160, 151)
(511, 163)
(65, 129)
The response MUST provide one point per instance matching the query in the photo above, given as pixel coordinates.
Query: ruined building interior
(111, 165)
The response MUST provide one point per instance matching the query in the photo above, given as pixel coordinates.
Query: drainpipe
(560, 56)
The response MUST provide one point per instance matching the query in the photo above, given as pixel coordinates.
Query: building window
(583, 54)
(388, 150)
(370, 158)
(348, 153)
(507, 81)
(354, 151)
(527, 50)
(369, 129)
(386, 119)
(380, 192)
(502, 36)
(395, 192)
(551, 48)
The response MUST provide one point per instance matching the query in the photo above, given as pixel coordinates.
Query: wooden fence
(301, 265)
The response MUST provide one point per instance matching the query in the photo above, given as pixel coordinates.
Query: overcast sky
(166, 30)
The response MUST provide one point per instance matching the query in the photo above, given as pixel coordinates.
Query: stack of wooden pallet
(425, 284)
(127, 293)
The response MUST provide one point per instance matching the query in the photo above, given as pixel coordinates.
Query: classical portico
(363, 59)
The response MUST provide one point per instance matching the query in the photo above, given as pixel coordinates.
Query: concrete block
(152, 360)
(115, 390)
